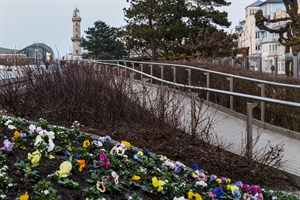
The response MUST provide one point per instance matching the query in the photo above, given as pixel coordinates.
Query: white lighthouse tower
(76, 39)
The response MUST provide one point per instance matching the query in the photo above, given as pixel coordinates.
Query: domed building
(37, 52)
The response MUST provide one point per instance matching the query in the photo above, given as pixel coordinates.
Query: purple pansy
(8, 145)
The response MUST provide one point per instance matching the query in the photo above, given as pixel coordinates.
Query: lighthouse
(76, 39)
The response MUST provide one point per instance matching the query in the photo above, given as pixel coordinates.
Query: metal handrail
(253, 97)
(209, 71)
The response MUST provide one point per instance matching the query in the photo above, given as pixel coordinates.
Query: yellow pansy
(228, 180)
(158, 184)
(24, 196)
(195, 174)
(234, 188)
(34, 157)
(38, 140)
(64, 169)
(190, 194)
(127, 144)
(140, 153)
(197, 196)
(101, 186)
(218, 180)
(228, 187)
(86, 144)
(136, 178)
(69, 148)
(23, 147)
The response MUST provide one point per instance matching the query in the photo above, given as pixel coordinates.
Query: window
(258, 47)
(257, 35)
(77, 51)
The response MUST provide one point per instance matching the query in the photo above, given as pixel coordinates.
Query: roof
(76, 12)
(255, 4)
(271, 1)
(259, 3)
(6, 51)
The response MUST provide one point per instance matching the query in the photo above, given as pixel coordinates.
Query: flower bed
(37, 162)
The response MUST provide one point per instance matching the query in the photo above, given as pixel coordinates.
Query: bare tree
(289, 31)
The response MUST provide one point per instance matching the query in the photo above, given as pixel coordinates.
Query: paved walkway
(231, 131)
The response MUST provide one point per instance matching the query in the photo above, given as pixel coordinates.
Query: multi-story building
(264, 48)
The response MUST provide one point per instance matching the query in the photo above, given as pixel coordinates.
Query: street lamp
(15, 64)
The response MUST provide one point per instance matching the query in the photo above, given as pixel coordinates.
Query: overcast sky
(23, 22)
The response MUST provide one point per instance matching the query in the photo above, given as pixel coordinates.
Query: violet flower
(8, 145)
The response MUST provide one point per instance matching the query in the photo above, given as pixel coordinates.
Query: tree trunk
(287, 62)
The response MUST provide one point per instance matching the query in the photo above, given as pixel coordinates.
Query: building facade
(264, 48)
(76, 39)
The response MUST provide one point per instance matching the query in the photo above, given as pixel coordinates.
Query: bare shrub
(77, 92)
(269, 155)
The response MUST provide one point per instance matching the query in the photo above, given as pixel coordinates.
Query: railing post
(207, 84)
(151, 73)
(118, 69)
(142, 70)
(189, 78)
(133, 73)
(144, 92)
(174, 74)
(249, 144)
(262, 103)
(193, 115)
(230, 79)
(125, 71)
(162, 73)
(106, 70)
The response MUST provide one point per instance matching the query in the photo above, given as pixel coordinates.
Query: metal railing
(250, 106)
(208, 89)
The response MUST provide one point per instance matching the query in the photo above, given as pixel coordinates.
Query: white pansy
(11, 127)
(51, 145)
(7, 122)
(115, 176)
(169, 164)
(50, 134)
(97, 143)
(38, 130)
(32, 128)
(201, 183)
(42, 132)
(46, 192)
(120, 151)
(178, 198)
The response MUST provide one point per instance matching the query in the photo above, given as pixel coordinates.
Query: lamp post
(36, 59)
(15, 64)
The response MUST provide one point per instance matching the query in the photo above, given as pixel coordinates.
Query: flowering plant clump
(48, 161)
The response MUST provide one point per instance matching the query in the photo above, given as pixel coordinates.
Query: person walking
(272, 69)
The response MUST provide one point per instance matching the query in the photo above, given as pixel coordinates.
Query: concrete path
(231, 131)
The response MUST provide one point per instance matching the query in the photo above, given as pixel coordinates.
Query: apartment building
(264, 48)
